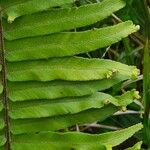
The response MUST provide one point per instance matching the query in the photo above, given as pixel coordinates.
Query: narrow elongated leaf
(53, 146)
(60, 19)
(17, 8)
(61, 122)
(48, 108)
(75, 138)
(20, 91)
(127, 98)
(67, 43)
(72, 68)
(136, 146)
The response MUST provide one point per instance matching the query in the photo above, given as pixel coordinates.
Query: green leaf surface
(17, 8)
(48, 108)
(57, 20)
(71, 68)
(76, 138)
(67, 43)
(53, 146)
(62, 121)
(21, 91)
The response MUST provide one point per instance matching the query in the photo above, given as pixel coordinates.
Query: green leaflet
(62, 121)
(127, 98)
(71, 68)
(20, 91)
(73, 97)
(136, 146)
(17, 8)
(74, 138)
(67, 43)
(57, 20)
(48, 108)
(51, 146)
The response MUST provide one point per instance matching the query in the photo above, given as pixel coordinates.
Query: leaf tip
(135, 73)
(10, 19)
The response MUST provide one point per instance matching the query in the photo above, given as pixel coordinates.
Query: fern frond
(67, 115)
(20, 91)
(71, 68)
(67, 43)
(57, 20)
(20, 126)
(45, 90)
(48, 108)
(73, 139)
(16, 8)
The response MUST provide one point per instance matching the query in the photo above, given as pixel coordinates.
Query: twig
(128, 112)
(94, 125)
(128, 82)
(77, 128)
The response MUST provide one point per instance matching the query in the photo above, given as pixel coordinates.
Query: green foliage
(69, 140)
(58, 20)
(20, 91)
(69, 68)
(17, 8)
(48, 108)
(67, 43)
(45, 91)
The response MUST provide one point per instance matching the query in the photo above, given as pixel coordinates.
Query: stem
(128, 112)
(4, 81)
(146, 93)
(95, 125)
(146, 82)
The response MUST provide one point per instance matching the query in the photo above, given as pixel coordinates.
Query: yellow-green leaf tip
(135, 73)
(136, 95)
(124, 109)
(11, 19)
